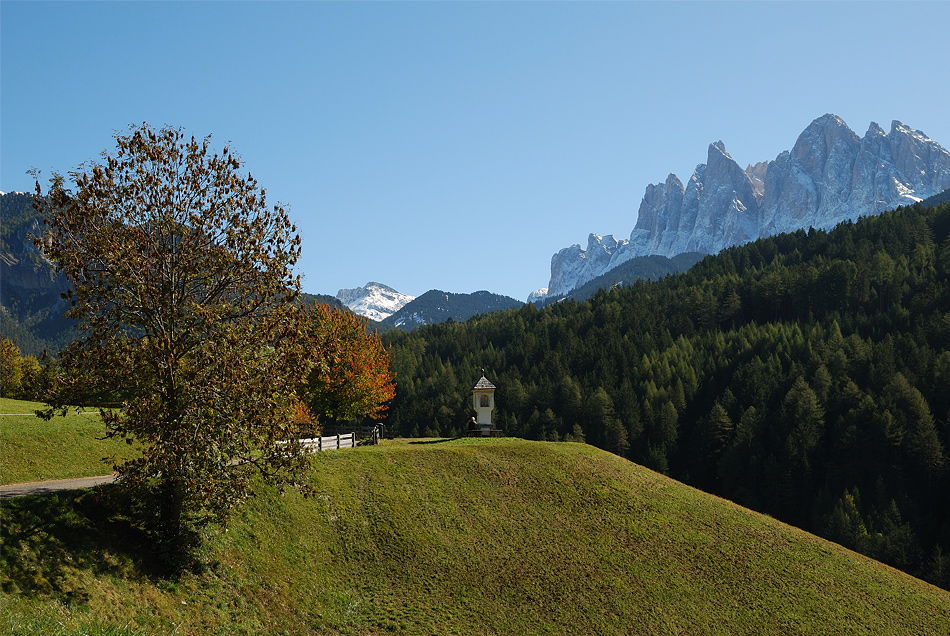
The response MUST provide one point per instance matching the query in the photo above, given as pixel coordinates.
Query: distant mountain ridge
(436, 306)
(393, 309)
(830, 175)
(31, 309)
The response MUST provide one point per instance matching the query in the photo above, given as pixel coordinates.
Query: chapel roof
(483, 383)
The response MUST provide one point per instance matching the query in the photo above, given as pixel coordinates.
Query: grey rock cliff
(830, 175)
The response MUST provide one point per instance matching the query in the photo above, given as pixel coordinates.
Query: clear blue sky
(457, 146)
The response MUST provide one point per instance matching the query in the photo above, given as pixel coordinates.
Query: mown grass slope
(32, 449)
(465, 537)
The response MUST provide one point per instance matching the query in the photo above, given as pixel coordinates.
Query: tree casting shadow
(95, 530)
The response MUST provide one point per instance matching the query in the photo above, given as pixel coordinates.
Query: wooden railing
(364, 435)
(330, 442)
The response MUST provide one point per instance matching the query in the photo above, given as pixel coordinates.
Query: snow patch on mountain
(537, 295)
(375, 301)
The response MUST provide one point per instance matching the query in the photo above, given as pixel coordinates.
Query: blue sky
(457, 146)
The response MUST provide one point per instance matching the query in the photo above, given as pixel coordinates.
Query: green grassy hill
(32, 449)
(459, 537)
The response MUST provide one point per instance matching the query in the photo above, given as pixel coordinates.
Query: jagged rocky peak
(920, 161)
(375, 300)
(874, 130)
(574, 266)
(756, 174)
(823, 139)
(829, 175)
(661, 196)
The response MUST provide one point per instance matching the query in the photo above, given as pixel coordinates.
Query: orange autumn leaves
(350, 377)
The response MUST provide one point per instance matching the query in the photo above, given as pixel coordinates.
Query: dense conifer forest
(804, 375)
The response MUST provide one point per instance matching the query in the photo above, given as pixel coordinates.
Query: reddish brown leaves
(350, 375)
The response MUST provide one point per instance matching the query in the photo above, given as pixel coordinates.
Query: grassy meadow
(32, 449)
(468, 536)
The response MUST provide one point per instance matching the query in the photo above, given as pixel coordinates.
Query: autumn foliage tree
(349, 375)
(183, 289)
(21, 377)
(11, 368)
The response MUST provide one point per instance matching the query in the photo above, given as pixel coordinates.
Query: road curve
(43, 487)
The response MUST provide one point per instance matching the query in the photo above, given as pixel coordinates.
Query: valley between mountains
(776, 336)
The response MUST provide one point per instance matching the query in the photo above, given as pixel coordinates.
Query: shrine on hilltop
(483, 401)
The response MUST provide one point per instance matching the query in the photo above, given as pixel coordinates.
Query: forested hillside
(804, 375)
(31, 311)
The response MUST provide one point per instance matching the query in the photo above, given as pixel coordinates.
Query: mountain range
(436, 306)
(830, 175)
(375, 301)
(394, 309)
(31, 309)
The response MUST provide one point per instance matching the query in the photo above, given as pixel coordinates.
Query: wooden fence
(330, 442)
(344, 440)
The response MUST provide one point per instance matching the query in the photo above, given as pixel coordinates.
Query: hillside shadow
(43, 536)
(436, 441)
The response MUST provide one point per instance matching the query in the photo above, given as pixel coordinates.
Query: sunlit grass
(25, 618)
(32, 449)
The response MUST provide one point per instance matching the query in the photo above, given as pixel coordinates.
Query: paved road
(43, 487)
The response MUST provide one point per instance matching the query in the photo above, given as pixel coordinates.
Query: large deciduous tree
(183, 287)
